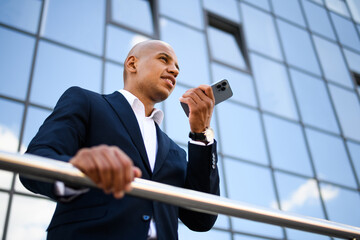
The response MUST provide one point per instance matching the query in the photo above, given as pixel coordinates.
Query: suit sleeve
(61, 135)
(202, 175)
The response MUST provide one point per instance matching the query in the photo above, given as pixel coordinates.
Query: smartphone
(222, 91)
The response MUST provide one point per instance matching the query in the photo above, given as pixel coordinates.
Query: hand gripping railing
(51, 170)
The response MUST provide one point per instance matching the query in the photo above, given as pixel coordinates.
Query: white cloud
(9, 140)
(137, 39)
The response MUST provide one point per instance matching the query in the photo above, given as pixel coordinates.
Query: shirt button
(145, 218)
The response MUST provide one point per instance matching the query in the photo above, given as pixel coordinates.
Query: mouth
(171, 80)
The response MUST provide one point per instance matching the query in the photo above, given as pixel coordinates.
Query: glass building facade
(288, 139)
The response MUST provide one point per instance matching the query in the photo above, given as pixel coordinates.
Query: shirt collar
(157, 115)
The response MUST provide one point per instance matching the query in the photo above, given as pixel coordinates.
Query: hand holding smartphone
(221, 90)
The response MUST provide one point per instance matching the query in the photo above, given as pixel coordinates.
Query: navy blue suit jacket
(83, 118)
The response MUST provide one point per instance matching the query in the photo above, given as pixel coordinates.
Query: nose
(173, 70)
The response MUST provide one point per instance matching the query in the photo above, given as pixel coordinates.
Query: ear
(131, 64)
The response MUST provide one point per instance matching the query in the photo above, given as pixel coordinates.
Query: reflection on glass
(273, 87)
(332, 62)
(318, 19)
(4, 198)
(123, 11)
(77, 23)
(23, 14)
(113, 78)
(342, 205)
(298, 48)
(244, 125)
(338, 6)
(185, 233)
(225, 8)
(354, 6)
(176, 9)
(346, 32)
(260, 32)
(58, 68)
(348, 110)
(19, 187)
(354, 149)
(29, 217)
(241, 84)
(287, 146)
(260, 3)
(224, 47)
(300, 196)
(15, 62)
(10, 120)
(191, 52)
(290, 10)
(318, 1)
(330, 158)
(5, 180)
(260, 193)
(314, 101)
(353, 59)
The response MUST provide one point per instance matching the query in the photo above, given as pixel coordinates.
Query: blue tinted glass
(260, 32)
(58, 69)
(191, 51)
(260, 3)
(15, 62)
(113, 78)
(4, 201)
(348, 110)
(354, 6)
(123, 11)
(342, 205)
(245, 237)
(332, 62)
(11, 115)
(318, 19)
(224, 48)
(259, 193)
(119, 42)
(222, 220)
(298, 48)
(176, 9)
(338, 6)
(24, 14)
(77, 23)
(225, 8)
(241, 84)
(241, 132)
(290, 10)
(353, 59)
(346, 32)
(273, 87)
(300, 196)
(330, 158)
(185, 233)
(318, 1)
(314, 101)
(354, 149)
(287, 146)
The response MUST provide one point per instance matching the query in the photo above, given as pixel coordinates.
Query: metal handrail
(52, 170)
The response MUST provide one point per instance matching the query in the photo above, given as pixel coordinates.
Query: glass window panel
(225, 8)
(10, 124)
(222, 220)
(353, 59)
(298, 47)
(123, 11)
(176, 9)
(260, 3)
(338, 6)
(314, 102)
(330, 158)
(241, 84)
(332, 62)
(29, 217)
(318, 1)
(354, 149)
(290, 10)
(5, 180)
(113, 78)
(354, 6)
(346, 32)
(300, 196)
(120, 41)
(191, 50)
(318, 19)
(15, 62)
(4, 199)
(185, 233)
(287, 146)
(348, 110)
(23, 14)
(58, 68)
(273, 87)
(253, 185)
(245, 237)
(224, 47)
(241, 132)
(260, 32)
(342, 205)
(77, 23)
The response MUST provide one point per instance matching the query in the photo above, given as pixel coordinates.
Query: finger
(104, 169)
(127, 174)
(208, 91)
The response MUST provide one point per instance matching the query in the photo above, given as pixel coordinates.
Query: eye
(164, 59)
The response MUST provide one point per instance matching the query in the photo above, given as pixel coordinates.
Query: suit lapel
(163, 149)
(124, 111)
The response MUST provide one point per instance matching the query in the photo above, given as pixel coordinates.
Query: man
(115, 138)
